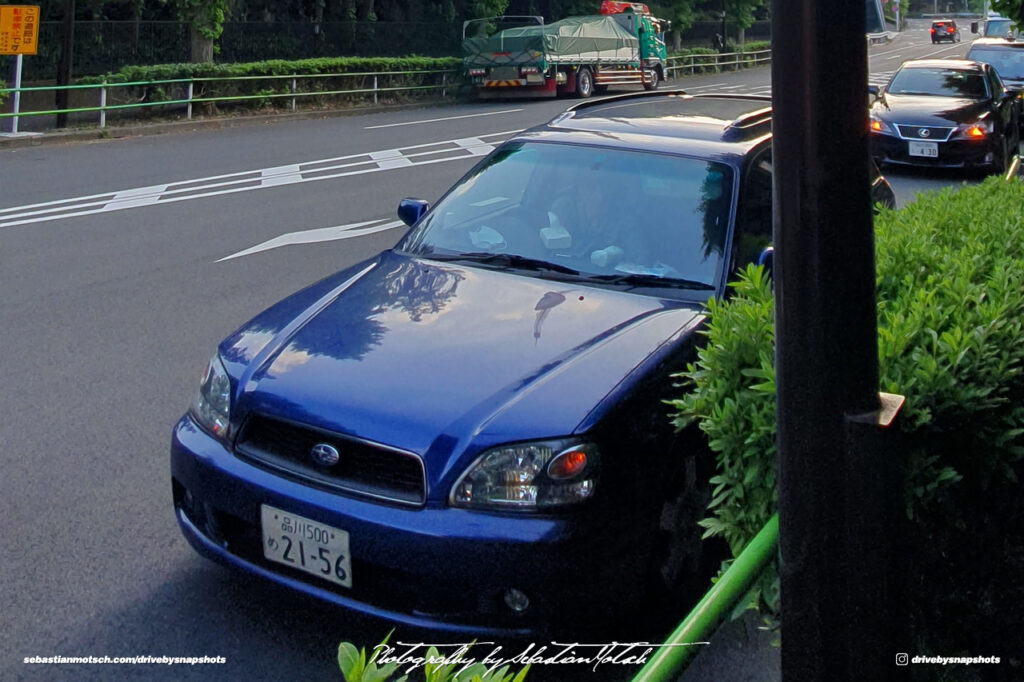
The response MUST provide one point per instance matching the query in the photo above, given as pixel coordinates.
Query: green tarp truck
(579, 55)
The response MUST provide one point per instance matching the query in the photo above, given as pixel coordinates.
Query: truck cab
(997, 27)
(649, 30)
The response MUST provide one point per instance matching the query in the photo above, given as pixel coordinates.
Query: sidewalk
(739, 652)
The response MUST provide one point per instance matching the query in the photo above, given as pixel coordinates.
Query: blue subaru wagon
(466, 432)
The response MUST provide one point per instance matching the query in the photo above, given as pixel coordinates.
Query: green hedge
(275, 67)
(751, 47)
(950, 283)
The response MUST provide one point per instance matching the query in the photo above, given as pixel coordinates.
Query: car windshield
(998, 28)
(938, 82)
(1008, 62)
(607, 216)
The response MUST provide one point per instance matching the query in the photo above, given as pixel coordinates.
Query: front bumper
(431, 567)
(955, 153)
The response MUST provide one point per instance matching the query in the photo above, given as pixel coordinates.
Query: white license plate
(504, 73)
(928, 149)
(307, 545)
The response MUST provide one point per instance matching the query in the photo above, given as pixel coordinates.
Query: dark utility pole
(839, 490)
(67, 41)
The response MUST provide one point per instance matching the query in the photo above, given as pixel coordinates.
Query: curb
(117, 132)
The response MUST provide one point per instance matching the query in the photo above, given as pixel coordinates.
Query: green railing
(726, 61)
(670, 659)
(373, 92)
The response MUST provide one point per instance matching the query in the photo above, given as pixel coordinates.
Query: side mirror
(411, 210)
(974, 27)
(873, 90)
(767, 261)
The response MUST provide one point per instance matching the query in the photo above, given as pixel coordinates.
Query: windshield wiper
(505, 259)
(637, 279)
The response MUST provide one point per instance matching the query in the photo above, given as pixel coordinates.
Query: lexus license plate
(926, 149)
(306, 545)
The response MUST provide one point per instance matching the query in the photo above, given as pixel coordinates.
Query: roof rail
(586, 104)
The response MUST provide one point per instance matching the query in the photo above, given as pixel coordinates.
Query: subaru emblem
(325, 455)
(924, 132)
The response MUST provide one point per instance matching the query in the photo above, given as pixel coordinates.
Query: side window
(754, 218)
(995, 84)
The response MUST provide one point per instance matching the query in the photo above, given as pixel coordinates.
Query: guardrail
(447, 79)
(680, 647)
(725, 61)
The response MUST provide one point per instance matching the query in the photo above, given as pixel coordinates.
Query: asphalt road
(122, 264)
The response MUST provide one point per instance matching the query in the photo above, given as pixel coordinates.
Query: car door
(1005, 105)
(754, 214)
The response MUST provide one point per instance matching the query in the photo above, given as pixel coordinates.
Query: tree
(205, 19)
(1010, 8)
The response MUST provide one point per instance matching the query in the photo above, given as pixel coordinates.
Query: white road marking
(390, 158)
(244, 181)
(475, 146)
(322, 234)
(282, 175)
(447, 118)
(704, 87)
(143, 196)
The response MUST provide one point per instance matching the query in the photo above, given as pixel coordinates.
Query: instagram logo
(901, 659)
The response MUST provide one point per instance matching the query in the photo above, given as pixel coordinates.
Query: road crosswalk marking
(323, 169)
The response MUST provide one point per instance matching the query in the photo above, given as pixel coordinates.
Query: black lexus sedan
(945, 113)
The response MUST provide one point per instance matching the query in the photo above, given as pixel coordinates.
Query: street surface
(123, 263)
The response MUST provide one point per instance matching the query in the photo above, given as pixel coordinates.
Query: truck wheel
(652, 80)
(584, 83)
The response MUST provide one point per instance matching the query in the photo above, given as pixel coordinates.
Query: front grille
(934, 133)
(365, 468)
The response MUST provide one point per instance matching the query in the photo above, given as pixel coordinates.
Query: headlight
(211, 408)
(976, 130)
(529, 476)
(877, 125)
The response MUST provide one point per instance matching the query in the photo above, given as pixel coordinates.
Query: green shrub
(950, 287)
(258, 85)
(275, 67)
(706, 59)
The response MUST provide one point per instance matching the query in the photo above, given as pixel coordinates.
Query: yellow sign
(19, 29)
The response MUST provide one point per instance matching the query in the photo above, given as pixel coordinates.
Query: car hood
(922, 110)
(1015, 84)
(425, 356)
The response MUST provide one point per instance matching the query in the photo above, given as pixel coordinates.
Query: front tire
(1003, 161)
(652, 80)
(683, 563)
(584, 83)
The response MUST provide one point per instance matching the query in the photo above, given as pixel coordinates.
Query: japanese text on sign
(19, 29)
